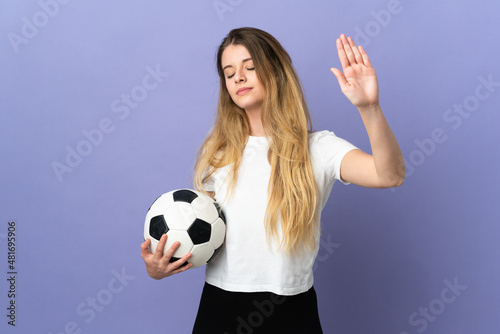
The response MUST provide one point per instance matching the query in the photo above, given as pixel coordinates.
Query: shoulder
(327, 149)
(319, 139)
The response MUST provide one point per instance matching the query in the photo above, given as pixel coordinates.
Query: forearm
(387, 156)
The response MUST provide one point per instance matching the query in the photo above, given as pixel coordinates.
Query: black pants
(225, 312)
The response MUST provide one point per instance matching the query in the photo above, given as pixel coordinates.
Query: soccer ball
(190, 217)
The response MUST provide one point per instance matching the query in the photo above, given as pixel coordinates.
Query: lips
(243, 90)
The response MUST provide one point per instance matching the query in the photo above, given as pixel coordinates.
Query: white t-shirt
(246, 263)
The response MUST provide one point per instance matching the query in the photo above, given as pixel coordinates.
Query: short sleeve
(327, 152)
(209, 184)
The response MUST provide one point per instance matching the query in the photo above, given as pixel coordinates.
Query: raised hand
(158, 265)
(358, 81)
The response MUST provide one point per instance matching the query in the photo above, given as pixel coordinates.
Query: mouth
(243, 90)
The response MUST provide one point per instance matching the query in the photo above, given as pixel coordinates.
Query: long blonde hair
(292, 194)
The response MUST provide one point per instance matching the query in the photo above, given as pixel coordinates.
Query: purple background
(385, 254)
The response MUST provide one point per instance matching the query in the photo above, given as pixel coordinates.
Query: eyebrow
(244, 60)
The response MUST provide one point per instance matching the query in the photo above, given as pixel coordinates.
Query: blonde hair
(292, 194)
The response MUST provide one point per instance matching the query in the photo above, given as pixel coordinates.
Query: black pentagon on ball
(199, 231)
(221, 214)
(157, 227)
(184, 195)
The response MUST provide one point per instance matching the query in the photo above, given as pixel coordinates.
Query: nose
(239, 76)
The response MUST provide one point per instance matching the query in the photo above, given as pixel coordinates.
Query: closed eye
(249, 69)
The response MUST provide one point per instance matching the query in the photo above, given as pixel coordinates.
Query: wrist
(371, 114)
(370, 108)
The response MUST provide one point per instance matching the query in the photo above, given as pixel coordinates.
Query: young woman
(273, 175)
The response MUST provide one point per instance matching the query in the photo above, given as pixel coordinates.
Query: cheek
(230, 91)
(228, 88)
(259, 85)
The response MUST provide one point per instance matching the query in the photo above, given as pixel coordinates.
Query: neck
(255, 123)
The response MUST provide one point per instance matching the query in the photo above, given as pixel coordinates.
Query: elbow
(398, 182)
(392, 183)
(394, 180)
(397, 178)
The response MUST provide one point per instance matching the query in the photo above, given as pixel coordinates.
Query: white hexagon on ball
(218, 233)
(179, 216)
(205, 209)
(183, 238)
(161, 205)
(201, 254)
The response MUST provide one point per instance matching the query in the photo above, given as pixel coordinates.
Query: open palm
(358, 81)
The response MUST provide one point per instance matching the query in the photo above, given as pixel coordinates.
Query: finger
(179, 264)
(366, 60)
(355, 51)
(348, 49)
(145, 248)
(171, 250)
(340, 76)
(342, 55)
(181, 269)
(160, 247)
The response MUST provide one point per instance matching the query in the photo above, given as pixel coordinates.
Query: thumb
(340, 76)
(144, 248)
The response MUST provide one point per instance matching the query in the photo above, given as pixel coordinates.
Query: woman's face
(241, 79)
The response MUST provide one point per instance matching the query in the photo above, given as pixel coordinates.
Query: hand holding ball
(190, 217)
